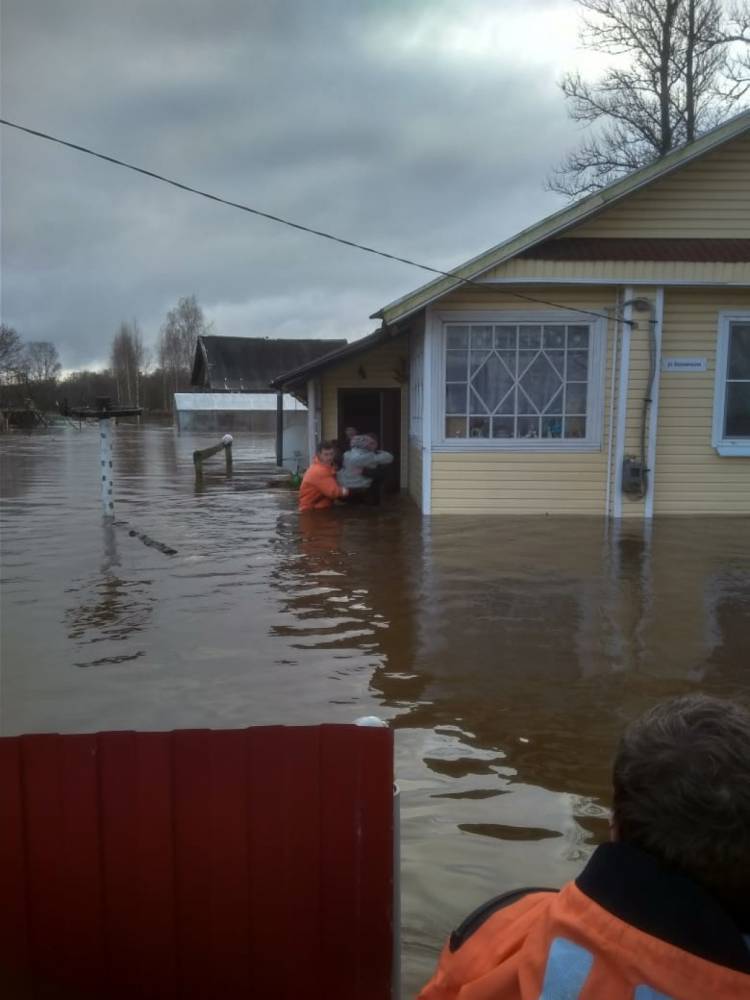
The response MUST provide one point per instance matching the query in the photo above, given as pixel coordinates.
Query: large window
(521, 383)
(732, 396)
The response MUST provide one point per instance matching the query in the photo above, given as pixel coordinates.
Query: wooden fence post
(202, 454)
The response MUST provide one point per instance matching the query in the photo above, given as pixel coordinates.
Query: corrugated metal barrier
(197, 864)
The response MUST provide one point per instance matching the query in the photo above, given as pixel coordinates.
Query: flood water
(506, 653)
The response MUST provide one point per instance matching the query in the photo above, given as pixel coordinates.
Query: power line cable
(299, 226)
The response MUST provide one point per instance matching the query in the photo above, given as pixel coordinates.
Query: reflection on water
(108, 606)
(507, 653)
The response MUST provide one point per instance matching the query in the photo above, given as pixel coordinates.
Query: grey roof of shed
(300, 374)
(250, 364)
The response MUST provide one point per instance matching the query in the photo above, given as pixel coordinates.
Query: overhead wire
(303, 228)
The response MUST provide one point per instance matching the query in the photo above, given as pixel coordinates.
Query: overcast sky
(423, 127)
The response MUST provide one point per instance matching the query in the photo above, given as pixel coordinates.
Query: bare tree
(736, 86)
(11, 353)
(681, 67)
(41, 361)
(127, 362)
(179, 336)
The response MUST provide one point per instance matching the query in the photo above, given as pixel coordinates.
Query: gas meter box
(632, 475)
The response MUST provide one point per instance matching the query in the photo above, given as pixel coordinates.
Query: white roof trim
(564, 219)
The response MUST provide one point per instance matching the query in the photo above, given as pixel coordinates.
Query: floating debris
(151, 542)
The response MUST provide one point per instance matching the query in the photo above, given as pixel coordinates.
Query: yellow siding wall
(689, 476)
(384, 367)
(525, 482)
(630, 272)
(707, 198)
(518, 483)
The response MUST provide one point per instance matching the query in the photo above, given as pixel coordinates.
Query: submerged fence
(198, 864)
(200, 456)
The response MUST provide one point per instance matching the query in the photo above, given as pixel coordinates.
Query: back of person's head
(682, 791)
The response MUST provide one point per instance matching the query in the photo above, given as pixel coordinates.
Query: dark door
(375, 411)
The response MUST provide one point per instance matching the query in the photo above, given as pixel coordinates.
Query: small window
(732, 394)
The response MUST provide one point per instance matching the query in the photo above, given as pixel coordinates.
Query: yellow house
(597, 363)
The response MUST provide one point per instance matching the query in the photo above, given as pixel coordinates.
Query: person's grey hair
(682, 790)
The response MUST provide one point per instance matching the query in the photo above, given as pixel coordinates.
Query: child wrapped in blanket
(362, 468)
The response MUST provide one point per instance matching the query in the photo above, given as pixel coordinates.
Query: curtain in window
(516, 381)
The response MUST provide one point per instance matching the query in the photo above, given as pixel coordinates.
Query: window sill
(528, 447)
(730, 450)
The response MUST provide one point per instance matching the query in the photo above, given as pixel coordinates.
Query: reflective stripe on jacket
(319, 487)
(577, 944)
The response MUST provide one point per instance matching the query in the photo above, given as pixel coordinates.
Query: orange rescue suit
(566, 944)
(319, 487)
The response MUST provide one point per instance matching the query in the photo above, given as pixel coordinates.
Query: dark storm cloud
(386, 123)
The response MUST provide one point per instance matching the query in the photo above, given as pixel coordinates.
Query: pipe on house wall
(629, 326)
(656, 330)
(624, 324)
(611, 434)
(645, 305)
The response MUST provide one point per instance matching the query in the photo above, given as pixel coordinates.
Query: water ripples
(507, 654)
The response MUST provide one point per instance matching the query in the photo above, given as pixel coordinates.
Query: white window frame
(595, 395)
(726, 447)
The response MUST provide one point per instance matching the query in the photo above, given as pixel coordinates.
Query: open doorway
(376, 411)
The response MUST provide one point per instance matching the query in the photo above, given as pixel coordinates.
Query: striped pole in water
(105, 467)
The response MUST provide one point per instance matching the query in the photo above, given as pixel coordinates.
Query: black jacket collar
(664, 903)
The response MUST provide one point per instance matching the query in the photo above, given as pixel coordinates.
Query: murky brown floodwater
(507, 653)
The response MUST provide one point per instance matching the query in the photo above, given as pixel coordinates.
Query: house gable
(708, 198)
(708, 190)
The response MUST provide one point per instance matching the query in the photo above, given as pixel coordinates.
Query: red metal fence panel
(197, 864)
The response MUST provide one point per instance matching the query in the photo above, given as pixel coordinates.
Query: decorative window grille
(518, 381)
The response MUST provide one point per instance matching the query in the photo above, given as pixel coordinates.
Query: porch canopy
(295, 380)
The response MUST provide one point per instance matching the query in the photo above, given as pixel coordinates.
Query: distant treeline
(136, 376)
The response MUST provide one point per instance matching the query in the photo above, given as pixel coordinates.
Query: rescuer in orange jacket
(663, 911)
(319, 487)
